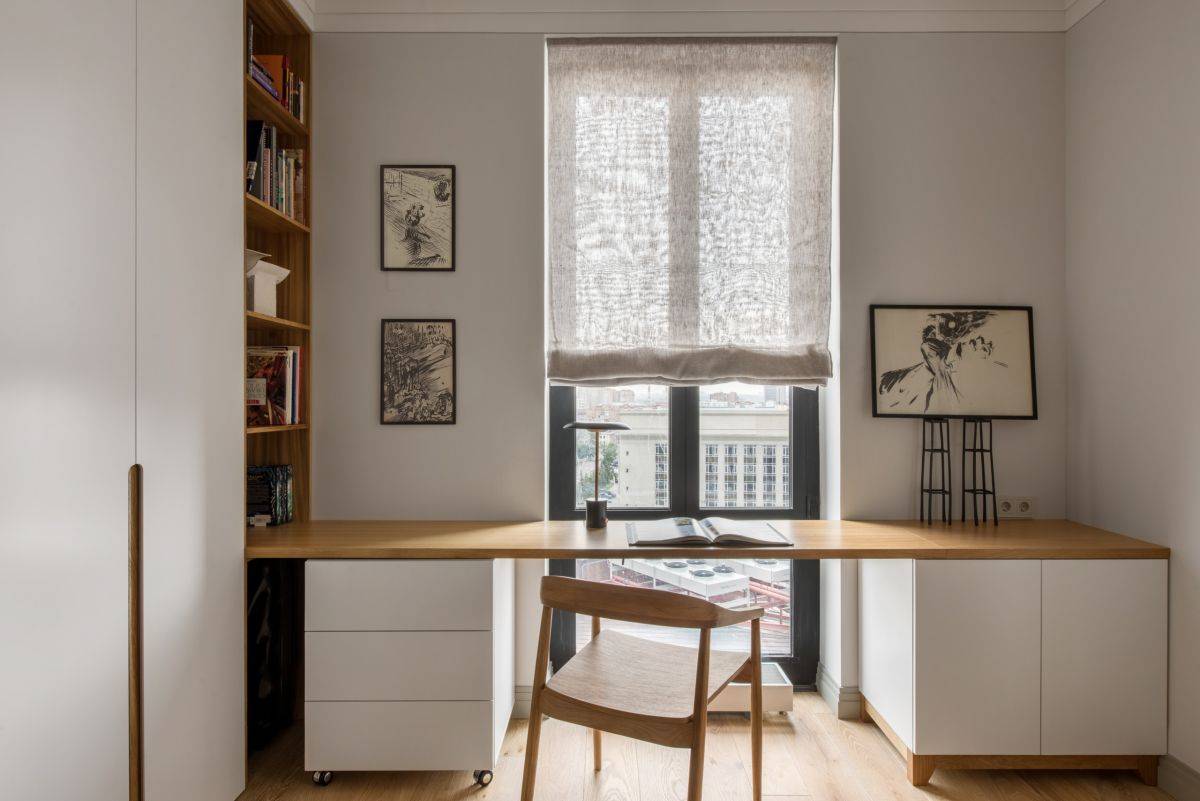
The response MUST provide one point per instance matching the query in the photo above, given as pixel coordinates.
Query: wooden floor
(808, 754)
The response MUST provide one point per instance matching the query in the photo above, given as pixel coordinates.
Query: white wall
(1133, 192)
(952, 192)
(190, 390)
(66, 396)
(475, 102)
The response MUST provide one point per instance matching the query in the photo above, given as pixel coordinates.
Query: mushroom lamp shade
(597, 510)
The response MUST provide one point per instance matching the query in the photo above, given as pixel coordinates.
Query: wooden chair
(637, 688)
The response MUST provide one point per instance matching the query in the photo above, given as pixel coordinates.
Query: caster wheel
(483, 777)
(322, 778)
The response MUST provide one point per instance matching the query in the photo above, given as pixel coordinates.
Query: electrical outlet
(1012, 507)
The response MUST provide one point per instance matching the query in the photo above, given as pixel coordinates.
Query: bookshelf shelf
(262, 215)
(256, 430)
(265, 322)
(261, 106)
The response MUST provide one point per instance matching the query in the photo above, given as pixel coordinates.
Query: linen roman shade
(689, 185)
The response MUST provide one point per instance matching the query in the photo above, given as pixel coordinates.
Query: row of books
(270, 495)
(274, 174)
(273, 375)
(274, 74)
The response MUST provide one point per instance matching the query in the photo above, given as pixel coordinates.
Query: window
(685, 473)
(689, 208)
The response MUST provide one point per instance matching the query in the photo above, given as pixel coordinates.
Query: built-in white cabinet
(1017, 657)
(408, 663)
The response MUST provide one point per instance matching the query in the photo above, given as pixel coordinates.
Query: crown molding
(697, 16)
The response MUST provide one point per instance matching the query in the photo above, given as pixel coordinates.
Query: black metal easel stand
(980, 484)
(936, 479)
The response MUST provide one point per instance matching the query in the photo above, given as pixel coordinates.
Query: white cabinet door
(886, 625)
(978, 643)
(66, 397)
(1104, 642)
(190, 395)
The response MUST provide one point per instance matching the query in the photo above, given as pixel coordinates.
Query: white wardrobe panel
(886, 630)
(978, 651)
(66, 396)
(190, 386)
(1104, 643)
(398, 666)
(398, 595)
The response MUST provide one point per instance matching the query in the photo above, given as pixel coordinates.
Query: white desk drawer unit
(408, 664)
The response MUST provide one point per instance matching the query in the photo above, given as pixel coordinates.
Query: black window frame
(686, 493)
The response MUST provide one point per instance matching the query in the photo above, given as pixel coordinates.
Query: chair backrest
(638, 605)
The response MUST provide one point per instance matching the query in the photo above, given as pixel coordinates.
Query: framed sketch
(953, 361)
(417, 227)
(418, 372)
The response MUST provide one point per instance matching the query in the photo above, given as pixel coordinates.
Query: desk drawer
(398, 735)
(398, 665)
(397, 595)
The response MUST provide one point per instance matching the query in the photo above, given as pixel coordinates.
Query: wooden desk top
(569, 539)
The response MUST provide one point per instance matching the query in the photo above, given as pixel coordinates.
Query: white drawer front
(398, 665)
(397, 595)
(398, 735)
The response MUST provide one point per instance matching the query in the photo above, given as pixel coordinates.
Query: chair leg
(756, 709)
(596, 750)
(699, 718)
(533, 739)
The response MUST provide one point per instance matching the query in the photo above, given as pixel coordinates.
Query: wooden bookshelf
(265, 322)
(277, 30)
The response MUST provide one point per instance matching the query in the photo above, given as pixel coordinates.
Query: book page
(759, 530)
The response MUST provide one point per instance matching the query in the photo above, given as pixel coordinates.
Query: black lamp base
(597, 514)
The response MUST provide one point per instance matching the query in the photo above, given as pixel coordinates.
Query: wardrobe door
(189, 394)
(66, 397)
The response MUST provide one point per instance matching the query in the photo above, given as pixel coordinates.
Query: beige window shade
(689, 204)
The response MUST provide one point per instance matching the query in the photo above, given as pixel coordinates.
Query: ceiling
(693, 16)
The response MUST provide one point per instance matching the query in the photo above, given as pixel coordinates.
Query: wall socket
(1012, 507)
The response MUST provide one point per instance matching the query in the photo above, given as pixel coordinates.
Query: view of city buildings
(744, 443)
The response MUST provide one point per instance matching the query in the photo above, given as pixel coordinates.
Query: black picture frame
(383, 401)
(1028, 310)
(383, 218)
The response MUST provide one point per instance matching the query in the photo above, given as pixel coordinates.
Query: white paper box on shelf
(262, 280)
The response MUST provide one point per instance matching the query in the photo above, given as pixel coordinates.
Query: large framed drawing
(953, 361)
(418, 372)
(416, 232)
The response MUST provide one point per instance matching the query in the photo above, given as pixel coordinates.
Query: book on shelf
(273, 376)
(270, 495)
(274, 174)
(709, 531)
(274, 73)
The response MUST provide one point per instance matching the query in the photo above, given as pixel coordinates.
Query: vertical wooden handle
(136, 766)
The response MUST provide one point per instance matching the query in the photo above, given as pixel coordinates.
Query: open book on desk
(709, 531)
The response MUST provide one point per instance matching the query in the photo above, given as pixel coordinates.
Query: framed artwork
(416, 232)
(418, 372)
(953, 361)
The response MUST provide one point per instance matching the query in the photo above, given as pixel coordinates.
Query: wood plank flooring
(808, 755)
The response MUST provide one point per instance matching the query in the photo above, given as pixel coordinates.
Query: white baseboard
(845, 702)
(1178, 780)
(522, 697)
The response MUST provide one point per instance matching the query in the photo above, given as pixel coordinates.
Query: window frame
(685, 459)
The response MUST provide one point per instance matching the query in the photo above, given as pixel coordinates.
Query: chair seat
(640, 677)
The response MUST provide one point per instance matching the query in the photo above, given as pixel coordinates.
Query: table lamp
(597, 510)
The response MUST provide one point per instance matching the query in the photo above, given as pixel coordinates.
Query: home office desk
(1032, 644)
